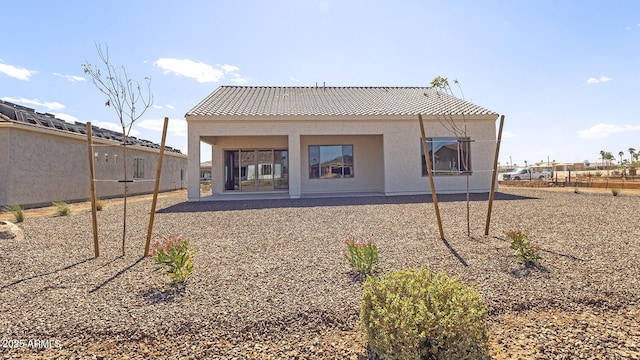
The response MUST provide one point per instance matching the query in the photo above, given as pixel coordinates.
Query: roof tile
(306, 101)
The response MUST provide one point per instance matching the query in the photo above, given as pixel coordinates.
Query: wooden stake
(157, 187)
(430, 172)
(493, 177)
(94, 210)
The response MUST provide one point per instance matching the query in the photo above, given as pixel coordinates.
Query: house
(45, 159)
(205, 171)
(297, 142)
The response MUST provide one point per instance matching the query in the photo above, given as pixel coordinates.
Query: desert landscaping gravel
(270, 281)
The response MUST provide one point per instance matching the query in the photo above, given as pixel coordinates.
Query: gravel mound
(270, 280)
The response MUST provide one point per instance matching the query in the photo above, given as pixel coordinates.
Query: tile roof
(22, 114)
(301, 101)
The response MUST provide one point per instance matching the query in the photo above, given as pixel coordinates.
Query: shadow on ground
(232, 205)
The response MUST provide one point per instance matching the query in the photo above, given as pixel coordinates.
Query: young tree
(128, 98)
(458, 128)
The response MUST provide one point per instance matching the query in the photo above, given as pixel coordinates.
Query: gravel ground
(270, 281)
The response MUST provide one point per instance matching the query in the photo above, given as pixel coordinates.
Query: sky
(564, 73)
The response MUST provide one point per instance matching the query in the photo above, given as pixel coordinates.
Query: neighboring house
(205, 171)
(319, 141)
(45, 159)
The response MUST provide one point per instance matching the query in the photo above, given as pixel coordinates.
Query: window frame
(463, 147)
(138, 168)
(319, 171)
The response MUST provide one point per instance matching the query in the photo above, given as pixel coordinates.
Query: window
(138, 168)
(452, 156)
(265, 169)
(330, 161)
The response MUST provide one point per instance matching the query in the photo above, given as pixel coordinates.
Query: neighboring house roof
(22, 114)
(319, 101)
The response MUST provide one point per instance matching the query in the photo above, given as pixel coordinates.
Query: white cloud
(176, 126)
(203, 73)
(601, 79)
(294, 79)
(228, 68)
(600, 131)
(66, 117)
(71, 78)
(238, 79)
(15, 72)
(168, 106)
(35, 102)
(508, 134)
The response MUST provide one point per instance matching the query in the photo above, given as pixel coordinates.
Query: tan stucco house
(316, 141)
(45, 159)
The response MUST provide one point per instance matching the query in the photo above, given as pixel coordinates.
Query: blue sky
(566, 74)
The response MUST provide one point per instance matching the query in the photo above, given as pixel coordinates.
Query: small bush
(99, 205)
(418, 314)
(524, 250)
(362, 255)
(174, 257)
(17, 212)
(576, 190)
(62, 209)
(598, 173)
(615, 191)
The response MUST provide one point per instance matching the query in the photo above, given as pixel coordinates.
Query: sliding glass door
(256, 170)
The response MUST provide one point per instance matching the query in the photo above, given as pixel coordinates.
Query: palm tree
(602, 155)
(621, 154)
(632, 153)
(609, 157)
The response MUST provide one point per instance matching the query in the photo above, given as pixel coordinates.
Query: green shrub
(62, 209)
(418, 314)
(174, 257)
(17, 212)
(615, 191)
(598, 173)
(525, 251)
(362, 255)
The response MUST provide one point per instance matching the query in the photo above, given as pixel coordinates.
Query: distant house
(45, 159)
(317, 141)
(205, 171)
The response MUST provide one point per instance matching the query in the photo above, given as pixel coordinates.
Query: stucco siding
(368, 175)
(4, 163)
(386, 151)
(53, 167)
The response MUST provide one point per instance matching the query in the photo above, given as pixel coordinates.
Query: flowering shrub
(362, 255)
(174, 257)
(524, 250)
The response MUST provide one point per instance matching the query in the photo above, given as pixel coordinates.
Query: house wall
(386, 149)
(4, 163)
(54, 167)
(367, 163)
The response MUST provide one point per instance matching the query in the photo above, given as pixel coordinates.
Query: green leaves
(418, 314)
(17, 212)
(524, 250)
(174, 257)
(362, 255)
